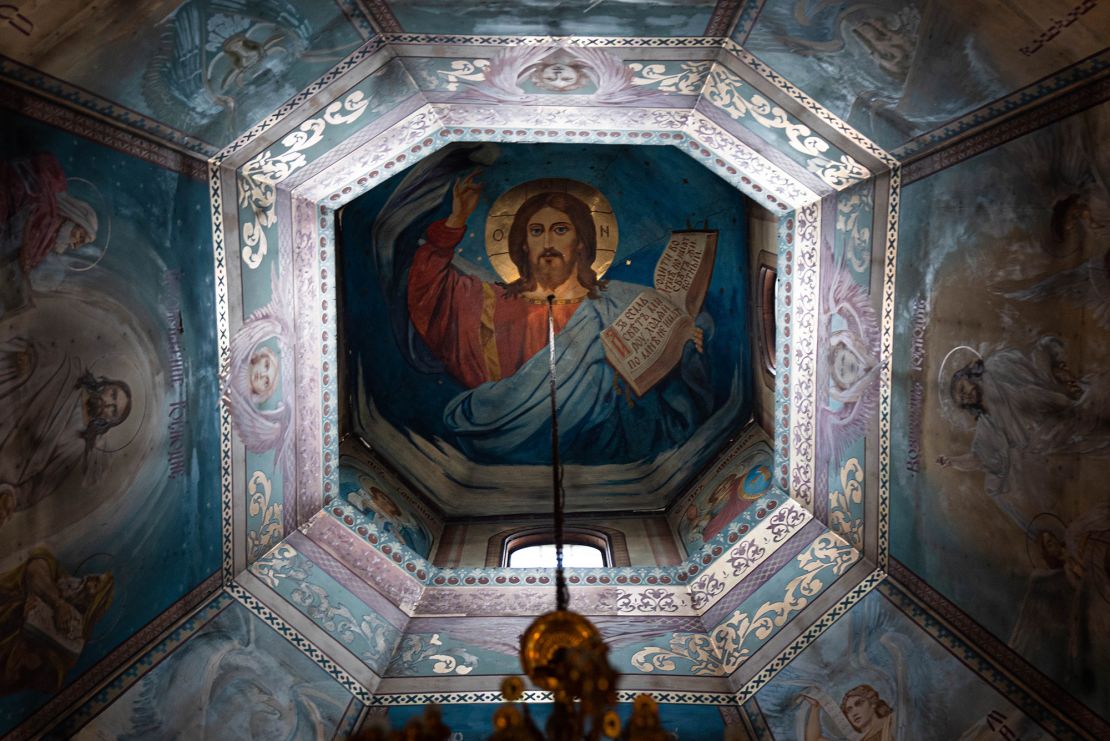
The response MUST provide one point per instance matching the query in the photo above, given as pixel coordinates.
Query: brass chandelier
(562, 652)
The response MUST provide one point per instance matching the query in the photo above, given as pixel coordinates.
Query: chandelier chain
(562, 598)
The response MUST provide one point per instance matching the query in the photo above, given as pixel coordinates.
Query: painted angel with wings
(258, 367)
(210, 51)
(557, 69)
(847, 380)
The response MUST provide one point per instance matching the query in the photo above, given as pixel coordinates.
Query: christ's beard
(93, 406)
(552, 273)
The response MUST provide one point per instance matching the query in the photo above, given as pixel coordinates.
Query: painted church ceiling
(444, 328)
(554, 17)
(200, 71)
(199, 74)
(898, 70)
(948, 427)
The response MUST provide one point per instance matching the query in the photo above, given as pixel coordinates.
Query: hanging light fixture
(561, 652)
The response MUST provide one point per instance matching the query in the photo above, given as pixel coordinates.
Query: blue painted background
(136, 515)
(653, 191)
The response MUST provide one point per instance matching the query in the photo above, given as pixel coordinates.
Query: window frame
(611, 543)
(766, 287)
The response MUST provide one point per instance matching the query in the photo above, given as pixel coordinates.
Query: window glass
(767, 279)
(543, 557)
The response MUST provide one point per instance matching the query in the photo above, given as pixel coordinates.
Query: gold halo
(504, 210)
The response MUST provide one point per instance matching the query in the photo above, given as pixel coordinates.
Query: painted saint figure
(387, 515)
(1066, 607)
(869, 714)
(56, 411)
(1026, 407)
(490, 336)
(733, 496)
(38, 217)
(46, 617)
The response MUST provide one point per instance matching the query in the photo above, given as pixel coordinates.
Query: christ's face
(111, 403)
(553, 247)
(1055, 553)
(967, 393)
(384, 503)
(859, 712)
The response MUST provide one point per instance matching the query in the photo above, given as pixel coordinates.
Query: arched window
(534, 547)
(542, 556)
(766, 307)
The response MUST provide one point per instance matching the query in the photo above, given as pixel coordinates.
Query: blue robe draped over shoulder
(601, 420)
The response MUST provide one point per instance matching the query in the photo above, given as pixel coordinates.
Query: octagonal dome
(894, 528)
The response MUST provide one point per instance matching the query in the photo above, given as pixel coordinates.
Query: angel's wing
(279, 12)
(613, 79)
(261, 430)
(839, 429)
(280, 308)
(622, 631)
(174, 84)
(1087, 284)
(501, 78)
(841, 296)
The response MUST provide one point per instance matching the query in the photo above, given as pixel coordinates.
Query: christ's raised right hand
(464, 199)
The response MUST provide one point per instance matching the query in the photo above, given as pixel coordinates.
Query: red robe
(32, 184)
(479, 332)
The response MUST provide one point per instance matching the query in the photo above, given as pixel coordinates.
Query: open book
(646, 340)
(38, 623)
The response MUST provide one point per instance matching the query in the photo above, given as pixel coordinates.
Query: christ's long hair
(583, 221)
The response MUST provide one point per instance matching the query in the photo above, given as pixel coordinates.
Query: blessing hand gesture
(464, 199)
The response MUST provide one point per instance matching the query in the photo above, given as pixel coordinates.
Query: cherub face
(846, 366)
(559, 77)
(262, 373)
